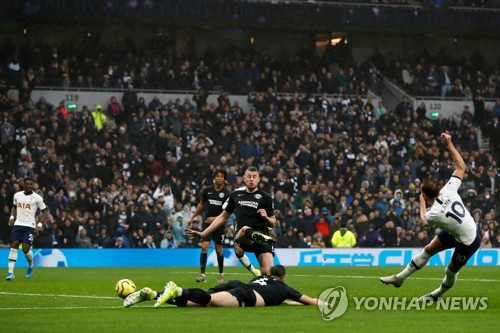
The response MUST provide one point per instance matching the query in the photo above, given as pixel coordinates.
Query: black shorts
(462, 252)
(243, 293)
(23, 234)
(217, 236)
(257, 249)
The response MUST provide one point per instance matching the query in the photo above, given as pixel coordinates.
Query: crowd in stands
(342, 171)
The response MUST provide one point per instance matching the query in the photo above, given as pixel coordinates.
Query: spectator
(343, 238)
(389, 235)
(179, 230)
(169, 241)
(288, 240)
(371, 237)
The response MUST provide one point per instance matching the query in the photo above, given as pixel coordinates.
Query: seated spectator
(322, 226)
(119, 243)
(179, 230)
(288, 240)
(370, 238)
(409, 239)
(149, 242)
(389, 235)
(422, 239)
(318, 241)
(82, 240)
(169, 241)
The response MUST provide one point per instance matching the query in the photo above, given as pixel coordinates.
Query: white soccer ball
(125, 287)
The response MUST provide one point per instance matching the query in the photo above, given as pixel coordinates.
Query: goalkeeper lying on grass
(264, 290)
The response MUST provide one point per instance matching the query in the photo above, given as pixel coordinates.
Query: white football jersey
(449, 213)
(27, 206)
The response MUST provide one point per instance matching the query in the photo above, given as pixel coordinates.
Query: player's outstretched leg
(448, 281)
(171, 291)
(419, 261)
(145, 294)
(392, 279)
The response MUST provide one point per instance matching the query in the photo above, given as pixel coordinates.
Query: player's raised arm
(423, 208)
(457, 158)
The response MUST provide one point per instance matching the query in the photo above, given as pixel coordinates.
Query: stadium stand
(131, 170)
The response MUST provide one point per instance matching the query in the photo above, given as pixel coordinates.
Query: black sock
(197, 295)
(203, 262)
(249, 232)
(220, 262)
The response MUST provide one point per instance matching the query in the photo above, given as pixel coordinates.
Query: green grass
(83, 300)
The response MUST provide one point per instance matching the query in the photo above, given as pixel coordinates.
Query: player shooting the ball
(448, 213)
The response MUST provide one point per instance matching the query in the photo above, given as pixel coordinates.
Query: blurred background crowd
(342, 170)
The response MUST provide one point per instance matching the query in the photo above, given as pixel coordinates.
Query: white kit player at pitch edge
(458, 230)
(23, 219)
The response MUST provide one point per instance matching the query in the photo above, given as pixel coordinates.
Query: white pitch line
(57, 295)
(63, 308)
(352, 276)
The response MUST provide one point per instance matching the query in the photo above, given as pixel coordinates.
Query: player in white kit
(458, 229)
(23, 218)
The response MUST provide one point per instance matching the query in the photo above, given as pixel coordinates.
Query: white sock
(29, 257)
(12, 259)
(419, 261)
(448, 281)
(246, 263)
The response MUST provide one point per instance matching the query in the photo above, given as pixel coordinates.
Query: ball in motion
(125, 287)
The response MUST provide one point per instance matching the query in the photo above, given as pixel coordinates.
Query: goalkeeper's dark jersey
(272, 290)
(245, 205)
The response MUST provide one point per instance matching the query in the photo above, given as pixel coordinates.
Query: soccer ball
(125, 287)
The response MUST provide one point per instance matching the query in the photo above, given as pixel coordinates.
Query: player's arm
(219, 221)
(457, 158)
(43, 217)
(306, 300)
(423, 209)
(13, 215)
(290, 302)
(197, 211)
(270, 220)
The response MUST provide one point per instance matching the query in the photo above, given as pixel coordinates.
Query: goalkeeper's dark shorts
(243, 293)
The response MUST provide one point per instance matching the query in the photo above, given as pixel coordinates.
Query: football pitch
(83, 300)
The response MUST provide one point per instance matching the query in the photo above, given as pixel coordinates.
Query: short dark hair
(221, 171)
(278, 271)
(430, 187)
(28, 178)
(252, 169)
